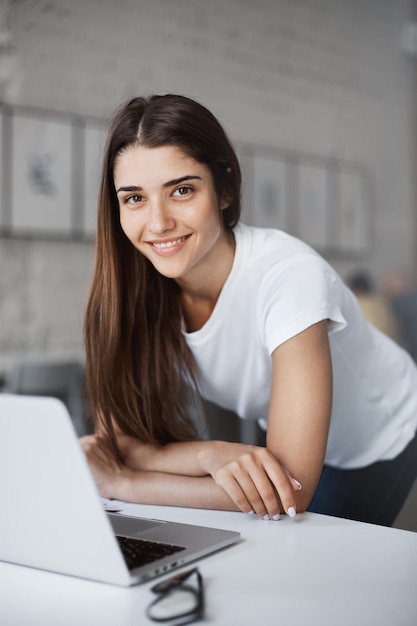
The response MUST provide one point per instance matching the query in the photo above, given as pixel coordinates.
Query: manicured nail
(276, 517)
(251, 512)
(297, 483)
(292, 512)
(266, 517)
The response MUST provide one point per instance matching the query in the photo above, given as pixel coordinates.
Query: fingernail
(292, 512)
(276, 517)
(297, 483)
(266, 517)
(251, 512)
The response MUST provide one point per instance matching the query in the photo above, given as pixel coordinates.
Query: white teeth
(168, 244)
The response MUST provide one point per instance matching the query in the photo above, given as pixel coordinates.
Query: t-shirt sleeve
(295, 294)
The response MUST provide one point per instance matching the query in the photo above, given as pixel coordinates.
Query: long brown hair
(137, 358)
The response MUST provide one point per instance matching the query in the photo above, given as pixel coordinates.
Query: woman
(253, 319)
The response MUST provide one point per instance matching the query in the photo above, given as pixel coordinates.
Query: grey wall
(329, 77)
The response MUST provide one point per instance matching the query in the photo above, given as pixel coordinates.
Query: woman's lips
(169, 246)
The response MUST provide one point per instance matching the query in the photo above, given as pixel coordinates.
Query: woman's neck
(199, 297)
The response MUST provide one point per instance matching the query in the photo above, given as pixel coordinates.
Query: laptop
(53, 517)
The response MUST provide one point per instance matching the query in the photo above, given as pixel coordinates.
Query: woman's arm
(300, 407)
(253, 478)
(298, 424)
(175, 475)
(149, 487)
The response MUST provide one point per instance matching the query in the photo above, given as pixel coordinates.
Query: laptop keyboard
(137, 552)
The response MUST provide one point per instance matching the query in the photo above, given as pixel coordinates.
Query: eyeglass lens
(180, 599)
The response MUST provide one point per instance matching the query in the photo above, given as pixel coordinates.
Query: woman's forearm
(147, 487)
(190, 458)
(231, 476)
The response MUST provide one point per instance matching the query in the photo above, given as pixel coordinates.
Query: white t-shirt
(278, 287)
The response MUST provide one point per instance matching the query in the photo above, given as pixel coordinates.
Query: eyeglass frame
(163, 588)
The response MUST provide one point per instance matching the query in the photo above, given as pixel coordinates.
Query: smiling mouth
(162, 245)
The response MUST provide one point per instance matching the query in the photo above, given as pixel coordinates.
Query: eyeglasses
(180, 599)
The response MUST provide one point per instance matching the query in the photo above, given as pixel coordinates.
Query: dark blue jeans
(373, 494)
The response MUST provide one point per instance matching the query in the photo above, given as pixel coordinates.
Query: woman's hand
(106, 470)
(252, 477)
(136, 454)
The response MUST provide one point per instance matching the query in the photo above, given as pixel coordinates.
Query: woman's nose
(160, 219)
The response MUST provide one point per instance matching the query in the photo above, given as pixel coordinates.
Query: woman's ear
(225, 203)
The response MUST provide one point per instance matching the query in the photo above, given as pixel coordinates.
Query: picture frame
(313, 209)
(41, 200)
(94, 141)
(354, 214)
(270, 192)
(3, 198)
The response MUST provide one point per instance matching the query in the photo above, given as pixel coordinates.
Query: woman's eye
(183, 190)
(133, 199)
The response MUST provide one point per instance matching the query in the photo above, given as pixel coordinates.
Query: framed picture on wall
(270, 192)
(3, 199)
(354, 212)
(313, 204)
(41, 181)
(94, 140)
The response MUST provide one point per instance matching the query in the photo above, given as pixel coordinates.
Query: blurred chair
(59, 379)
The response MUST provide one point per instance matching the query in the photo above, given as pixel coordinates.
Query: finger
(231, 486)
(285, 486)
(294, 482)
(263, 495)
(254, 464)
(281, 479)
(255, 485)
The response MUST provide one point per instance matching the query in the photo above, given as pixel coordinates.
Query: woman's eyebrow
(169, 183)
(129, 188)
(182, 179)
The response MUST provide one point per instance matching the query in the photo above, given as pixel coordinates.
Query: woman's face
(169, 210)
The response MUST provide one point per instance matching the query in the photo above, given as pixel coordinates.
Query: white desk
(312, 571)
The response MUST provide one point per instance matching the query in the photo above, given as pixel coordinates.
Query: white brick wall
(322, 76)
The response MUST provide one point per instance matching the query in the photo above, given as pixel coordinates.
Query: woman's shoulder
(278, 264)
(271, 246)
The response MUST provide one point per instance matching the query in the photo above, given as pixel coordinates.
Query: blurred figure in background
(375, 307)
(403, 300)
